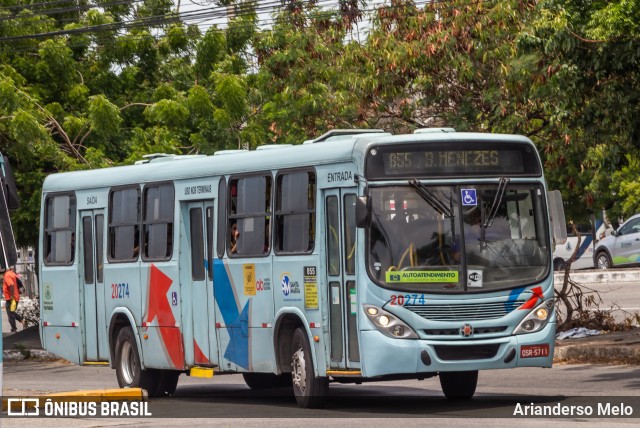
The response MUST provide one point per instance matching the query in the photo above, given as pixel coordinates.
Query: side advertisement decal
(159, 308)
(238, 349)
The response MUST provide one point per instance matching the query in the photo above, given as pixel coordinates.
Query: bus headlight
(388, 324)
(536, 319)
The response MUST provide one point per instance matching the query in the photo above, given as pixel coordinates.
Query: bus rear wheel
(167, 382)
(459, 385)
(128, 368)
(310, 391)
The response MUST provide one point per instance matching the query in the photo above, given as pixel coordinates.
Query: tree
(303, 85)
(87, 88)
(591, 51)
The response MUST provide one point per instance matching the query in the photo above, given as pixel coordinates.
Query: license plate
(534, 351)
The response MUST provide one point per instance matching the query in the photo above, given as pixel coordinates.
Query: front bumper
(382, 355)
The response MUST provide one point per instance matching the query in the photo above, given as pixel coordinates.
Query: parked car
(622, 248)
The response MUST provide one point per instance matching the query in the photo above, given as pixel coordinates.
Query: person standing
(11, 294)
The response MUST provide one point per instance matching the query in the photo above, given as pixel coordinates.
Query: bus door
(196, 276)
(341, 277)
(91, 253)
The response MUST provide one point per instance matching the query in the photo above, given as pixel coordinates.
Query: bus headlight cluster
(536, 319)
(388, 324)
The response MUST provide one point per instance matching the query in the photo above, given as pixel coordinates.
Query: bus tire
(310, 391)
(167, 383)
(128, 368)
(266, 380)
(559, 265)
(459, 385)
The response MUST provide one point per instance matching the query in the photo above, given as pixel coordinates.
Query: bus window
(350, 233)
(87, 245)
(158, 222)
(250, 211)
(209, 225)
(333, 240)
(124, 224)
(99, 247)
(60, 226)
(295, 212)
(197, 244)
(222, 215)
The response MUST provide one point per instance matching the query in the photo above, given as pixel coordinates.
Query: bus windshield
(469, 238)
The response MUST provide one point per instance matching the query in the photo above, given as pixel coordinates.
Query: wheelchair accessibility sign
(469, 197)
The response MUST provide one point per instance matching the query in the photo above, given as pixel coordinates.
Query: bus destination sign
(491, 159)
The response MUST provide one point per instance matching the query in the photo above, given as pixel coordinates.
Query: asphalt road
(226, 401)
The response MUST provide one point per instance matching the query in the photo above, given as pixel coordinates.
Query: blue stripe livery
(236, 322)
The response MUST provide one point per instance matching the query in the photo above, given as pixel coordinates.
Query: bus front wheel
(310, 391)
(128, 368)
(459, 385)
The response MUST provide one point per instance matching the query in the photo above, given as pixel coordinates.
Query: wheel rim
(299, 374)
(603, 262)
(127, 362)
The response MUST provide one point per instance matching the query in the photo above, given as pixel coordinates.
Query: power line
(58, 11)
(206, 15)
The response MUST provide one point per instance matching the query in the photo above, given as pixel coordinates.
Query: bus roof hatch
(341, 134)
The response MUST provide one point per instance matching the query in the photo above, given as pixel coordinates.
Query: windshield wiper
(497, 200)
(431, 198)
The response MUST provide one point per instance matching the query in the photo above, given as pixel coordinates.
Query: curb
(599, 276)
(620, 354)
(97, 395)
(28, 354)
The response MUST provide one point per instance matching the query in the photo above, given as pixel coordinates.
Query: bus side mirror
(556, 216)
(363, 211)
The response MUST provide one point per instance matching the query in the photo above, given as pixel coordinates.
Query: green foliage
(591, 51)
(104, 116)
(26, 130)
(168, 112)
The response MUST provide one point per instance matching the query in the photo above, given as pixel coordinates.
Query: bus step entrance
(201, 372)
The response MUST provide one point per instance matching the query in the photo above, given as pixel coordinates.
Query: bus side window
(60, 226)
(158, 222)
(295, 212)
(124, 224)
(250, 210)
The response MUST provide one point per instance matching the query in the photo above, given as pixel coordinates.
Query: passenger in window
(267, 237)
(235, 234)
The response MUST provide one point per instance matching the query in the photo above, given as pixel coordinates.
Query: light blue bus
(356, 256)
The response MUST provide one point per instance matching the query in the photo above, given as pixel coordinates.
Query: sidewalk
(21, 345)
(620, 347)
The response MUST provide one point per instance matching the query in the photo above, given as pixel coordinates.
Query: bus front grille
(466, 352)
(465, 311)
(456, 331)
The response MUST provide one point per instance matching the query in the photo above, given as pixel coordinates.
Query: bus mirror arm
(363, 211)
